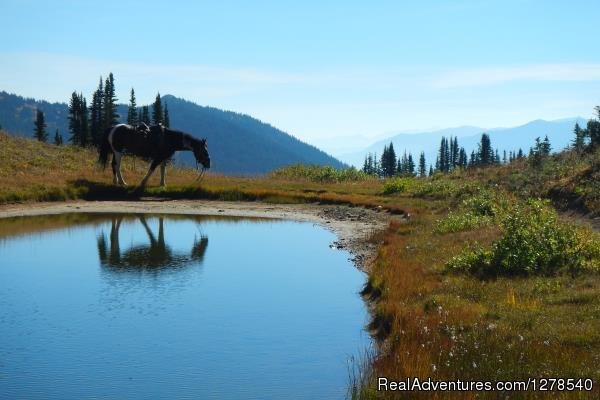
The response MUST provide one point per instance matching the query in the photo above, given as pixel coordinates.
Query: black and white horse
(155, 143)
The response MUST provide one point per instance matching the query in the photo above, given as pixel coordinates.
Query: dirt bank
(352, 225)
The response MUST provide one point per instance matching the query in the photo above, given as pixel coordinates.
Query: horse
(155, 143)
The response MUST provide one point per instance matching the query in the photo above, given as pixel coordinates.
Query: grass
(429, 321)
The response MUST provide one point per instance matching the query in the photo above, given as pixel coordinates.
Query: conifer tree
(579, 141)
(157, 111)
(132, 114)
(430, 170)
(593, 132)
(545, 147)
(462, 158)
(57, 138)
(410, 168)
(40, 126)
(388, 161)
(109, 106)
(422, 165)
(441, 164)
(166, 119)
(97, 115)
(78, 120)
(485, 155)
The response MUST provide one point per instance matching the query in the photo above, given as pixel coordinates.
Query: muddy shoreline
(354, 226)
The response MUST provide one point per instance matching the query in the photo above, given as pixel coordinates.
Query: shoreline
(353, 226)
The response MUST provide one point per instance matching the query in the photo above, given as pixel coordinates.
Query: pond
(164, 306)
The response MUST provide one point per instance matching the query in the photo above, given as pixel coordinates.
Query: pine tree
(422, 165)
(40, 126)
(485, 155)
(442, 153)
(579, 141)
(132, 115)
(504, 159)
(57, 138)
(473, 159)
(520, 154)
(97, 115)
(157, 111)
(166, 119)
(430, 170)
(546, 148)
(455, 153)
(462, 158)
(85, 125)
(388, 161)
(78, 120)
(410, 169)
(109, 105)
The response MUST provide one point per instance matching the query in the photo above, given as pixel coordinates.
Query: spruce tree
(579, 141)
(40, 126)
(545, 147)
(462, 158)
(132, 115)
(422, 164)
(486, 153)
(157, 111)
(78, 120)
(410, 169)
(109, 106)
(57, 138)
(85, 125)
(97, 115)
(430, 170)
(166, 119)
(593, 133)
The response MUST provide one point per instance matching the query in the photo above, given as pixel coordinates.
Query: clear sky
(324, 71)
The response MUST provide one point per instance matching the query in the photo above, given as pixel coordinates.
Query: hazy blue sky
(319, 70)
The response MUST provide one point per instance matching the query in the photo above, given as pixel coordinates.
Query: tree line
(88, 123)
(451, 156)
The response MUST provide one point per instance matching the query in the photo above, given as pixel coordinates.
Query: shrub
(319, 173)
(534, 242)
(392, 186)
(458, 222)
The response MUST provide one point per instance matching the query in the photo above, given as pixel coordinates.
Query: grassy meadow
(484, 280)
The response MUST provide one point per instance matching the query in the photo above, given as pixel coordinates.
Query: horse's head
(200, 150)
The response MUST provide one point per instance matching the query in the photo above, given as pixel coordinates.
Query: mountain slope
(238, 143)
(560, 133)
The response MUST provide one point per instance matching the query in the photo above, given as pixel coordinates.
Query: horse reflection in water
(155, 255)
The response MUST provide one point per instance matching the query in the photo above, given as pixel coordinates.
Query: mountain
(238, 144)
(560, 134)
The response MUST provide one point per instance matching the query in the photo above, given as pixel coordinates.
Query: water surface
(115, 306)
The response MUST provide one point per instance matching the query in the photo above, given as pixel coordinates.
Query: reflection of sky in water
(268, 311)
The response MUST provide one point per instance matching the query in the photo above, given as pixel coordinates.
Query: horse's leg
(114, 169)
(163, 167)
(118, 156)
(150, 171)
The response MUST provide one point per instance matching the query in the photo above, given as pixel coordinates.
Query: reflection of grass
(429, 322)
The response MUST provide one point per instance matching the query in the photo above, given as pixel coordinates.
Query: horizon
(330, 73)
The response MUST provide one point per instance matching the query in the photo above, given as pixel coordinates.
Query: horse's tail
(104, 149)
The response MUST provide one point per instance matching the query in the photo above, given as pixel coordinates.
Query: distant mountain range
(560, 134)
(238, 144)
